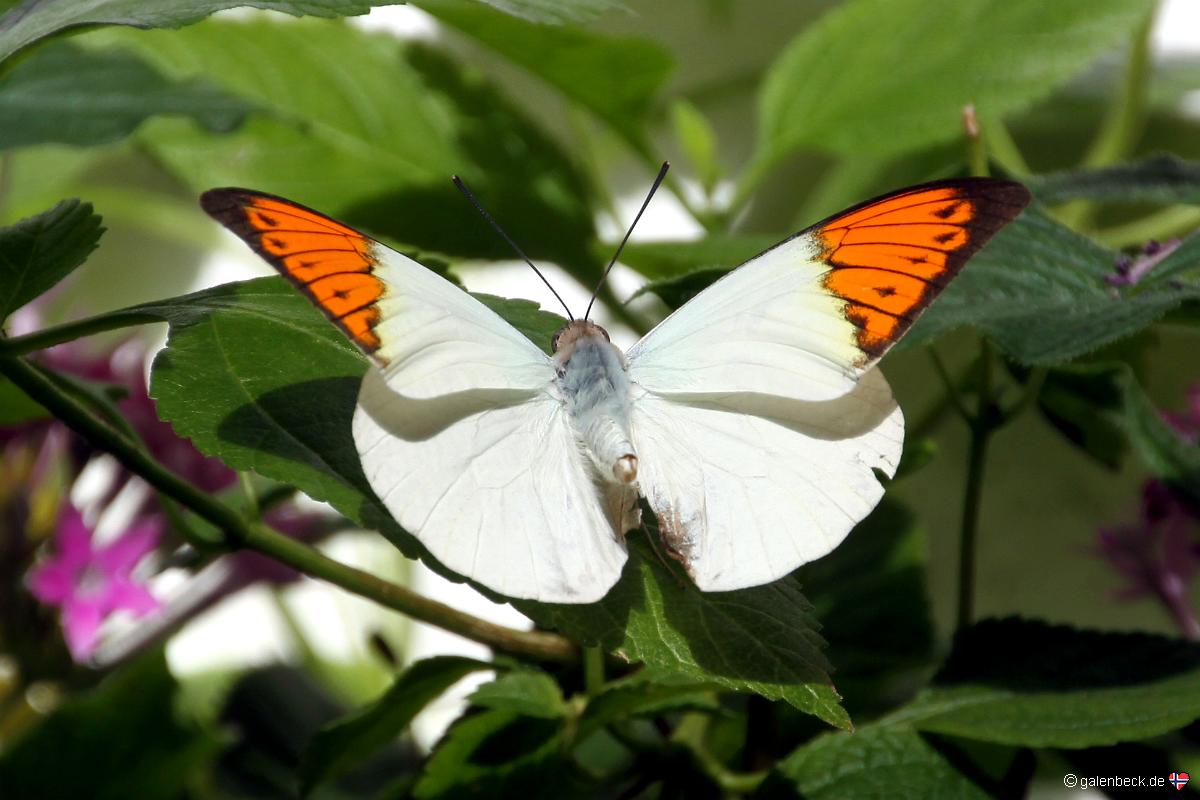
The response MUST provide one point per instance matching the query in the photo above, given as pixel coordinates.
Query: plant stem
(593, 670)
(48, 337)
(982, 424)
(1003, 149)
(237, 532)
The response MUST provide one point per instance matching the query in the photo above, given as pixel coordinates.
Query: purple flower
(1128, 271)
(1158, 555)
(90, 582)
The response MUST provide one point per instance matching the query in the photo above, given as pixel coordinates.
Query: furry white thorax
(593, 379)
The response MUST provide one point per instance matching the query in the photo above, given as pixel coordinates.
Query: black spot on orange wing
(331, 263)
(891, 256)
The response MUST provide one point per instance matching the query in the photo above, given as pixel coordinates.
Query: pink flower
(1158, 555)
(89, 582)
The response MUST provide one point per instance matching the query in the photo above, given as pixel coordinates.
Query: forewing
(493, 482)
(426, 334)
(806, 318)
(747, 487)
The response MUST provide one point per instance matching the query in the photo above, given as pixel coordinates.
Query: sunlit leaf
(880, 77)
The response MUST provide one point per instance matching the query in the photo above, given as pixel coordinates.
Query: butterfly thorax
(594, 383)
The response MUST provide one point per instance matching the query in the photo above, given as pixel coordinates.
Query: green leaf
(497, 754)
(372, 138)
(1162, 179)
(875, 762)
(71, 96)
(35, 19)
(664, 260)
(615, 78)
(527, 692)
(641, 696)
(1026, 683)
(119, 740)
(761, 640)
(1168, 455)
(698, 140)
(880, 77)
(38, 252)
(341, 745)
(1078, 400)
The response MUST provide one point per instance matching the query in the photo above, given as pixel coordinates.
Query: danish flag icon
(1178, 780)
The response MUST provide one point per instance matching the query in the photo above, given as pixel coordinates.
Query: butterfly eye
(554, 339)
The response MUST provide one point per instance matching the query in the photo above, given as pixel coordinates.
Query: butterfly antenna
(662, 173)
(463, 188)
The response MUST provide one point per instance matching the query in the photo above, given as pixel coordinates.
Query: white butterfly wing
(459, 430)
(747, 487)
(495, 485)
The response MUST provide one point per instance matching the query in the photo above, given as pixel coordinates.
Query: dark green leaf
(373, 137)
(1168, 455)
(71, 96)
(640, 696)
(38, 252)
(497, 754)
(351, 740)
(875, 762)
(880, 77)
(1078, 400)
(117, 741)
(662, 260)
(677, 291)
(526, 692)
(1159, 179)
(1027, 683)
(614, 78)
(760, 640)
(35, 19)
(869, 594)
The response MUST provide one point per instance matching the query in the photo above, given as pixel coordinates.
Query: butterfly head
(565, 338)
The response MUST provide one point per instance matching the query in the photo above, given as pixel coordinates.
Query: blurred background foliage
(773, 116)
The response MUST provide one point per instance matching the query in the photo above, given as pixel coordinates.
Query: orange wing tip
(891, 256)
(331, 263)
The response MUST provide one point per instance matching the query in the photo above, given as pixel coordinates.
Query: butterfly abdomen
(595, 385)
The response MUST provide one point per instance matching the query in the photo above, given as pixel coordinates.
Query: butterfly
(751, 420)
